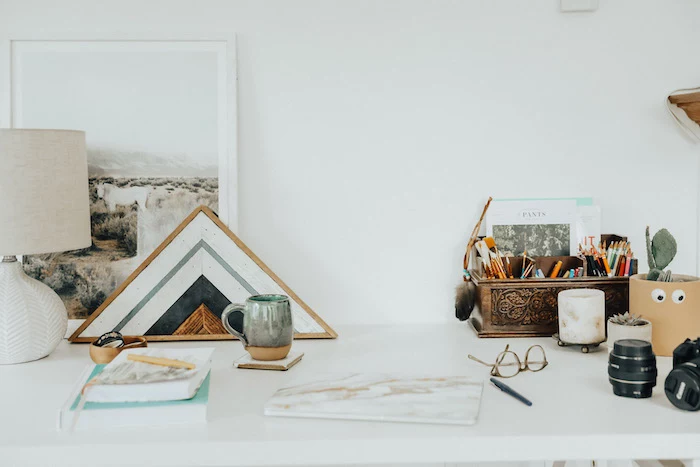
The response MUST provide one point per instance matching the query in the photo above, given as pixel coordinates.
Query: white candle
(582, 316)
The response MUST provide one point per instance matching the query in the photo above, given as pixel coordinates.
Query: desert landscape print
(130, 217)
(155, 138)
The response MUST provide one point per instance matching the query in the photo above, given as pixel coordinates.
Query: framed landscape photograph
(159, 117)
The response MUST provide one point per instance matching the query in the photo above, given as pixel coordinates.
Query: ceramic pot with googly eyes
(672, 308)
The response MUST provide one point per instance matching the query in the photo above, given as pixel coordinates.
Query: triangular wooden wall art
(180, 291)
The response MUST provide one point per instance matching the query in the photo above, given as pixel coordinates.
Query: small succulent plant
(660, 252)
(627, 319)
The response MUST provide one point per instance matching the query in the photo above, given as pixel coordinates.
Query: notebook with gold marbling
(451, 400)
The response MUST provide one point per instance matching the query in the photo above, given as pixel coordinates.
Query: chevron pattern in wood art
(201, 262)
(201, 322)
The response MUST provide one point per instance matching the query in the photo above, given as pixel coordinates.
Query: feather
(464, 300)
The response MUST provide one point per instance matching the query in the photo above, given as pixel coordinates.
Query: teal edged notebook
(95, 415)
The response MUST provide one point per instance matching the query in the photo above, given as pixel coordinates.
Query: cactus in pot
(669, 302)
(660, 252)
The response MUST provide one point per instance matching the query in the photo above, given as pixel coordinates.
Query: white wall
(372, 131)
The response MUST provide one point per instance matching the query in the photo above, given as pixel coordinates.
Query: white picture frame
(11, 89)
(15, 47)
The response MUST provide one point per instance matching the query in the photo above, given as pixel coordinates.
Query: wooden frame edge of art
(329, 332)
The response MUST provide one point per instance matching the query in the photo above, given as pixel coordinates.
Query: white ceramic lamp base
(33, 318)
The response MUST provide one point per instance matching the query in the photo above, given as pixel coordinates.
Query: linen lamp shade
(44, 197)
(44, 208)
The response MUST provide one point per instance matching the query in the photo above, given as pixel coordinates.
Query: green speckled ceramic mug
(266, 329)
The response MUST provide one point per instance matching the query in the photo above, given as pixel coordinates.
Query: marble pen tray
(451, 400)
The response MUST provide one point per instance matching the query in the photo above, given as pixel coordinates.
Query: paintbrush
(472, 240)
(498, 266)
(496, 257)
(510, 267)
(484, 252)
(491, 245)
(500, 261)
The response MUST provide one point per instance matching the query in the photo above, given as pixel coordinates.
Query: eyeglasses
(508, 363)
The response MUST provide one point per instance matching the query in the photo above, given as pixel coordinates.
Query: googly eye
(678, 296)
(658, 295)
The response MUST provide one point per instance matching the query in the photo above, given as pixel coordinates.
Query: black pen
(510, 391)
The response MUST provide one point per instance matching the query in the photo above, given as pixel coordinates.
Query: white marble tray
(452, 400)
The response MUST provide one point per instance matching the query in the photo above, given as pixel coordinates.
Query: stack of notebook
(138, 403)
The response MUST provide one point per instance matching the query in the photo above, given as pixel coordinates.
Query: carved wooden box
(528, 307)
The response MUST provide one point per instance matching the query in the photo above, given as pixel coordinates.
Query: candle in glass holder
(582, 316)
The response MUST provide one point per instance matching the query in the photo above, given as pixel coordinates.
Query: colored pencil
(555, 270)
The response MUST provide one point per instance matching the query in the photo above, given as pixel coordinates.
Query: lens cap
(682, 386)
(632, 348)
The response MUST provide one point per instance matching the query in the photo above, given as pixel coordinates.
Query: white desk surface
(575, 414)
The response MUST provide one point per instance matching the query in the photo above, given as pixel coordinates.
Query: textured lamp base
(33, 318)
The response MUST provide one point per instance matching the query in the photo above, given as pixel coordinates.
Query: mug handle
(234, 308)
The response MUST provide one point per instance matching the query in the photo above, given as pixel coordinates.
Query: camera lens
(632, 368)
(683, 385)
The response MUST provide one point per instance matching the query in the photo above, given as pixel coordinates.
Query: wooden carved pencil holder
(528, 307)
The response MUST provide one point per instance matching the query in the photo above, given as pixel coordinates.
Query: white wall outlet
(578, 5)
